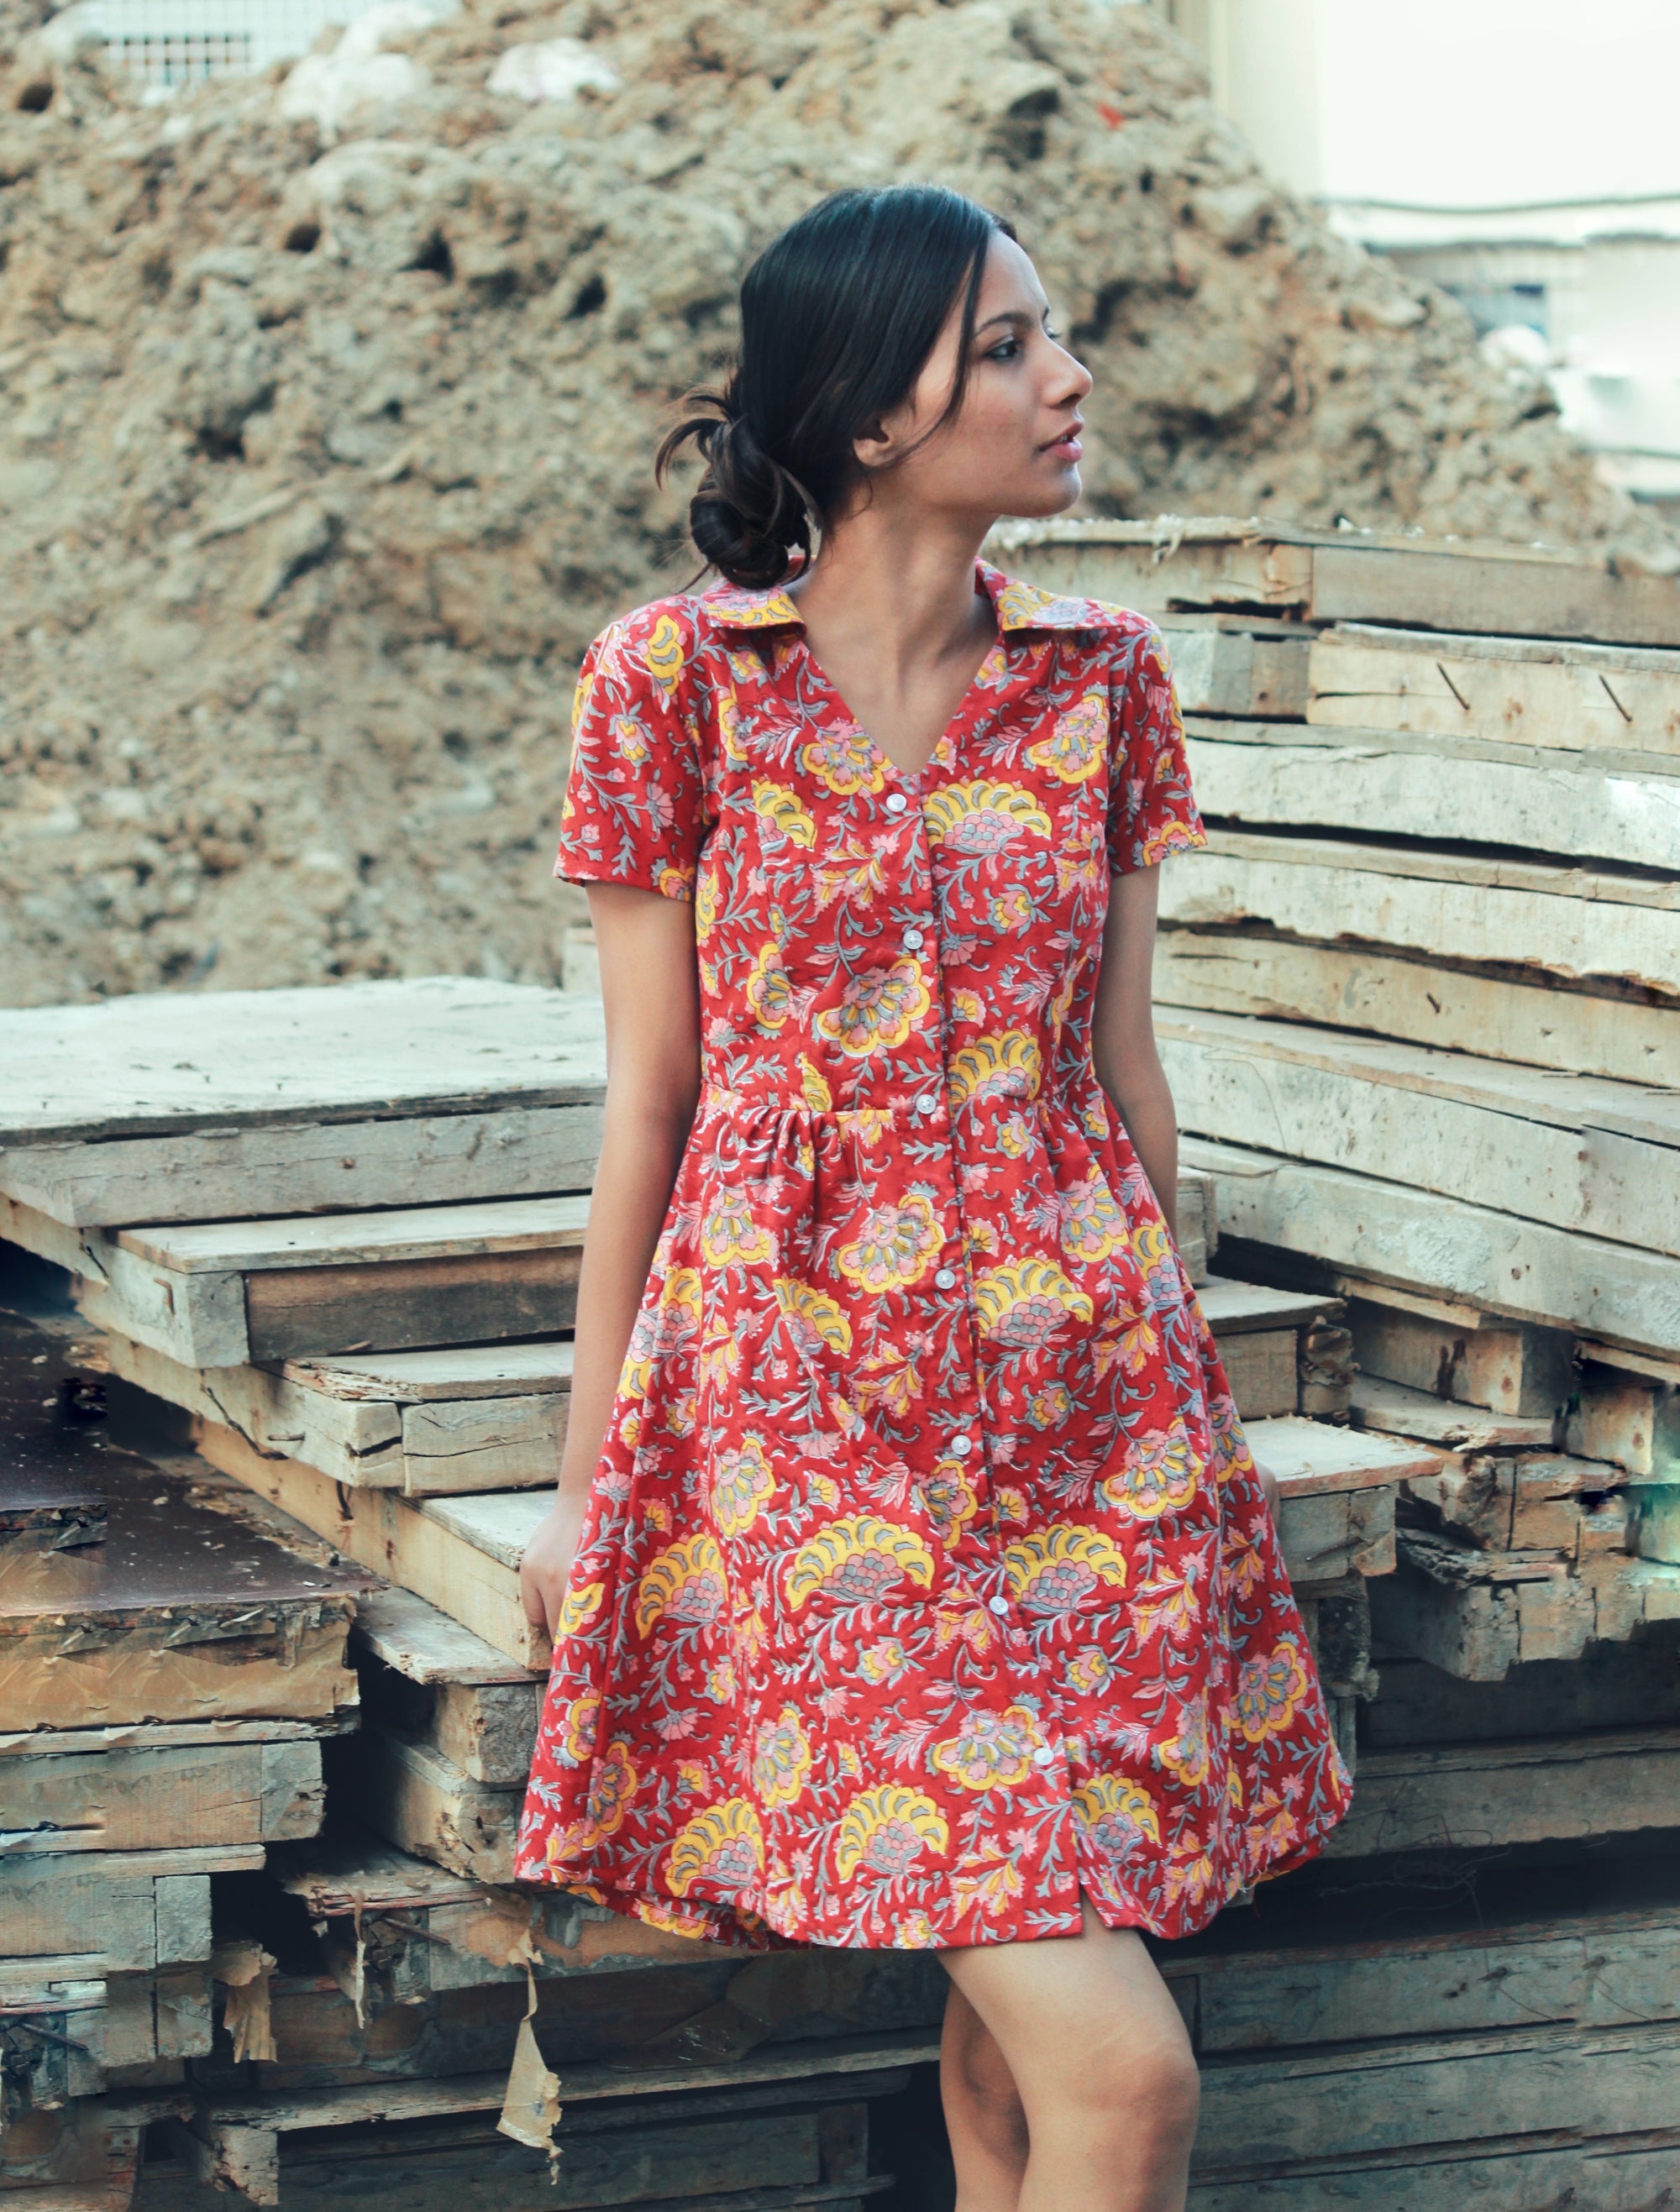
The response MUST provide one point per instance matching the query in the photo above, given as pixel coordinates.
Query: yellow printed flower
(1116, 1815)
(989, 1882)
(1171, 837)
(727, 1231)
(657, 1514)
(611, 1785)
(887, 1830)
(1060, 1570)
(984, 817)
(882, 1662)
(967, 1006)
(784, 815)
(1011, 1504)
(721, 1682)
(729, 728)
(579, 1607)
(781, 1758)
(814, 1320)
(578, 1728)
(723, 1847)
(767, 989)
(663, 654)
(915, 1932)
(889, 1377)
(814, 1088)
(947, 1497)
(1152, 1247)
(1187, 1755)
(1075, 747)
(1020, 607)
(895, 1246)
(989, 1751)
(718, 1359)
(1090, 1670)
(705, 905)
(850, 1764)
(629, 739)
(879, 1006)
(855, 868)
(858, 1560)
(679, 1296)
(1190, 1873)
(1045, 1407)
(1005, 1065)
(685, 1584)
(1010, 910)
(868, 1124)
(1160, 1475)
(673, 882)
(691, 1775)
(1093, 1224)
(1026, 1301)
(1269, 1689)
(1014, 1136)
(842, 759)
(741, 1482)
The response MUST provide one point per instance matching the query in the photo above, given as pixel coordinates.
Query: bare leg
(982, 2112)
(1107, 2082)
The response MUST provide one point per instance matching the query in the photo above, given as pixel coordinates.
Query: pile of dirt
(330, 396)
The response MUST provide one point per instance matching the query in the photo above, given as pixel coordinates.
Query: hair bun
(747, 511)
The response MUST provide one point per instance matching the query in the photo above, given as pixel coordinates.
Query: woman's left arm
(1123, 1034)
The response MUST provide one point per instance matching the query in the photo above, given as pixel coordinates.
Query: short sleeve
(1151, 807)
(635, 803)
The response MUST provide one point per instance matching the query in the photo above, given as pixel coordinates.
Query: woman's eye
(1005, 350)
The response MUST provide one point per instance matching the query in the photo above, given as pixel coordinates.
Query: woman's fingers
(1269, 1486)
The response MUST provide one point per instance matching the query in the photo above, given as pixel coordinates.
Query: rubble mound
(331, 397)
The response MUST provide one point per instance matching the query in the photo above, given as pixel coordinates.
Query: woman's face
(1013, 447)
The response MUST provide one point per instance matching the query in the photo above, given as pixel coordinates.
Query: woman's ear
(874, 445)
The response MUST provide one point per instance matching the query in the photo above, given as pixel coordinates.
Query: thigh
(1067, 2011)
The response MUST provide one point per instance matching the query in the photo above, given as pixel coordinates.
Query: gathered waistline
(716, 1099)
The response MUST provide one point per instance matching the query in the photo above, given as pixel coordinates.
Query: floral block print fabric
(926, 1577)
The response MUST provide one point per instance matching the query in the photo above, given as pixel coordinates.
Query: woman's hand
(546, 1564)
(1268, 1487)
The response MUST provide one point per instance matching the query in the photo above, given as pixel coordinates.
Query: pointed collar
(1019, 606)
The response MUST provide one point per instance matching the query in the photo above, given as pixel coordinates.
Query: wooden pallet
(1178, 563)
(159, 1788)
(198, 1108)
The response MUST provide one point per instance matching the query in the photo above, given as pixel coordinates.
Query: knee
(986, 2088)
(1151, 2094)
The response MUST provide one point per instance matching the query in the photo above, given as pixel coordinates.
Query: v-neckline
(944, 751)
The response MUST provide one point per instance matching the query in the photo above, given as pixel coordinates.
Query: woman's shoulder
(1024, 605)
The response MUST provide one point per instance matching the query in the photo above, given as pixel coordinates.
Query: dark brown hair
(838, 316)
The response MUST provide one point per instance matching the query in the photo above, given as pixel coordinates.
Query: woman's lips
(1066, 447)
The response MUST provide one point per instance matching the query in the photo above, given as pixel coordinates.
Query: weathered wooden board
(1260, 1366)
(1215, 562)
(179, 1798)
(1395, 1409)
(1238, 665)
(217, 1174)
(1480, 1629)
(1387, 1231)
(1231, 1308)
(1523, 1374)
(115, 1912)
(1633, 1422)
(184, 1613)
(1519, 691)
(460, 1553)
(418, 1799)
(1622, 2172)
(1417, 1000)
(1571, 922)
(1570, 1151)
(415, 1640)
(1573, 804)
(226, 1294)
(1428, 2091)
(485, 1729)
(1636, 1685)
(364, 1422)
(1313, 1459)
(161, 1063)
(1429, 1797)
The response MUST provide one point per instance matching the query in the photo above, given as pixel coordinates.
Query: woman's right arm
(651, 987)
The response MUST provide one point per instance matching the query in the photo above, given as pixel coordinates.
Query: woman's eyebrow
(1010, 315)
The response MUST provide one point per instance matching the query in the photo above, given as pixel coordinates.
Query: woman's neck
(904, 584)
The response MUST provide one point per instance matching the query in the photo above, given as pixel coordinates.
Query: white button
(895, 802)
(945, 1277)
(962, 1446)
(926, 1103)
(912, 938)
(998, 1604)
(1044, 1755)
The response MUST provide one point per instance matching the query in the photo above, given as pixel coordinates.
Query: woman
(910, 1581)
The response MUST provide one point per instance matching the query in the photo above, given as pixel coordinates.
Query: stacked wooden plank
(1419, 1003)
(342, 1261)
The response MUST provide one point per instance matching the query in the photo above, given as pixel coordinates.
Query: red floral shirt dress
(926, 1577)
